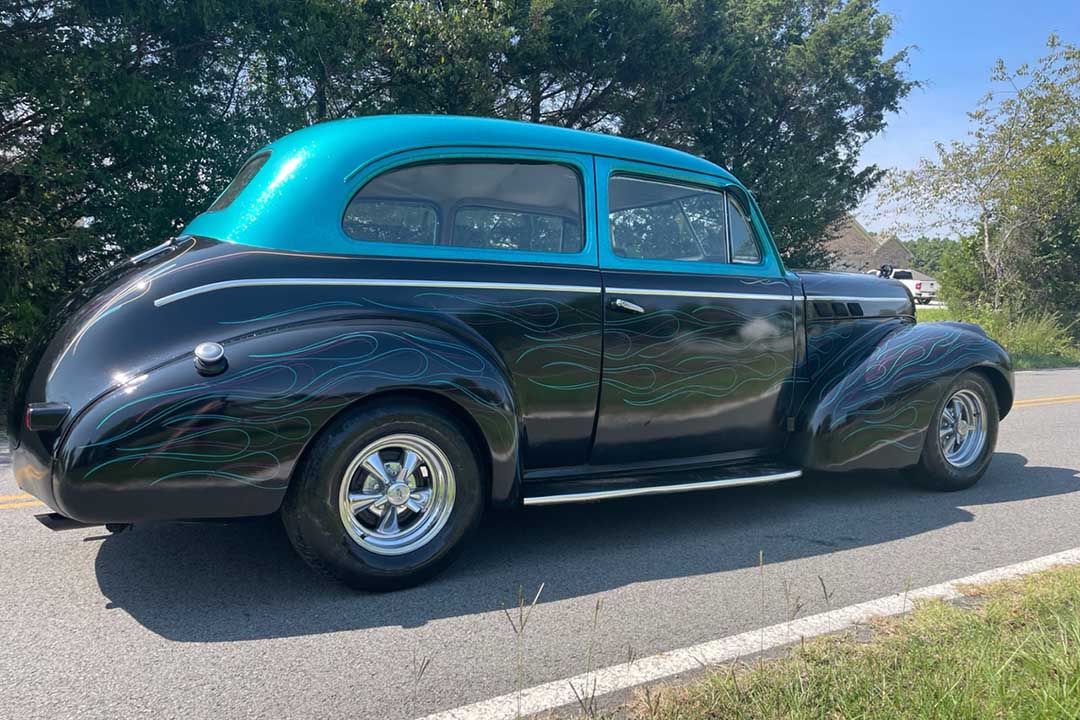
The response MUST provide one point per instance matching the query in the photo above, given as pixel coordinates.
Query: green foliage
(927, 253)
(810, 86)
(121, 120)
(1012, 188)
(1036, 339)
(962, 283)
(1013, 656)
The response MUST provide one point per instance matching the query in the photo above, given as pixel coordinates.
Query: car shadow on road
(216, 583)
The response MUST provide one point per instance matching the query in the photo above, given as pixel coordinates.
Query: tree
(786, 94)
(121, 120)
(98, 117)
(1012, 184)
(927, 253)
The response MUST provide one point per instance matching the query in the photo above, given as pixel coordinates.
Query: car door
(500, 245)
(699, 321)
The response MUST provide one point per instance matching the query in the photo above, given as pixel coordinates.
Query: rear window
(902, 275)
(514, 205)
(247, 172)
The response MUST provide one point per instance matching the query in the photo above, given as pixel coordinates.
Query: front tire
(385, 496)
(960, 441)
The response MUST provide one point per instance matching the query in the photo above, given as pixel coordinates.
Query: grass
(1015, 654)
(1036, 340)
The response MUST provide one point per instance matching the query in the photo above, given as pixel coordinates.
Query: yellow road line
(20, 504)
(20, 496)
(1050, 400)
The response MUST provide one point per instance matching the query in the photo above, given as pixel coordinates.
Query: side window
(515, 205)
(744, 247)
(653, 220)
(250, 169)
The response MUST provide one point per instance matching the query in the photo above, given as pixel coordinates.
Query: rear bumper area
(32, 467)
(81, 497)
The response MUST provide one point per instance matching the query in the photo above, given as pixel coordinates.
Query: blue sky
(958, 42)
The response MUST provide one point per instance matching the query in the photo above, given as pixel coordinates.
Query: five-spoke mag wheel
(385, 495)
(396, 494)
(962, 428)
(960, 440)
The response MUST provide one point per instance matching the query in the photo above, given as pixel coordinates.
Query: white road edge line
(559, 693)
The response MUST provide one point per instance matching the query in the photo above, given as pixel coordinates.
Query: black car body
(589, 316)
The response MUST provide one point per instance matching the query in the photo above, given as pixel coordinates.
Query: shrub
(1034, 340)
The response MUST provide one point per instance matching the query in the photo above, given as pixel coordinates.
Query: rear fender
(175, 444)
(875, 413)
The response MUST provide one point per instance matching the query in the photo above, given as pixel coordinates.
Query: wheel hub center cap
(398, 494)
(962, 427)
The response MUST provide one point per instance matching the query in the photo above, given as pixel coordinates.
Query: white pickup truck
(923, 288)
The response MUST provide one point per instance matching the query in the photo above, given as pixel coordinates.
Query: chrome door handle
(626, 305)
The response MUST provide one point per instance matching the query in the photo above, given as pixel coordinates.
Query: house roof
(859, 250)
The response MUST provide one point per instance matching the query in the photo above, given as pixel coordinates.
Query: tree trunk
(534, 99)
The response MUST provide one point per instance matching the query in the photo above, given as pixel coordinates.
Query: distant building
(857, 250)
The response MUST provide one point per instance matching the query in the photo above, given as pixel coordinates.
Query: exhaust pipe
(57, 522)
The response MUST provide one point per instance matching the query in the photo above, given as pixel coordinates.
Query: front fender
(174, 444)
(875, 414)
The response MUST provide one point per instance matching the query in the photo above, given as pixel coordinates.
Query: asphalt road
(211, 621)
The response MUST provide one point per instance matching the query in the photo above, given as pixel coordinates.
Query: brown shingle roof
(857, 250)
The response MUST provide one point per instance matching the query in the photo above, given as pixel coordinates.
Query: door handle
(620, 304)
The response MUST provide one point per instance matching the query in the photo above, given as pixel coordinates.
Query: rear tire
(960, 441)
(385, 496)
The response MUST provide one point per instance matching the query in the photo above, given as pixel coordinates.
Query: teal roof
(364, 138)
(305, 181)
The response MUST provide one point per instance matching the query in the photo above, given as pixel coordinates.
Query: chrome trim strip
(160, 248)
(851, 298)
(373, 282)
(699, 293)
(659, 489)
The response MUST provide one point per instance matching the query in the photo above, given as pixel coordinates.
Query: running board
(586, 491)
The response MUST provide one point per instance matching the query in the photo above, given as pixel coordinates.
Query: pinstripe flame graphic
(877, 385)
(671, 356)
(245, 426)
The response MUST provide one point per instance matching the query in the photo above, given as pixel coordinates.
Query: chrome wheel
(962, 429)
(397, 494)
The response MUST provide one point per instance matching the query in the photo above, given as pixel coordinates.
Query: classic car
(385, 326)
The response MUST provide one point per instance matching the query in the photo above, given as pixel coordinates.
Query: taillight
(45, 416)
(918, 286)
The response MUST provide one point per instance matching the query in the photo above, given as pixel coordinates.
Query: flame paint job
(872, 383)
(227, 444)
(694, 376)
(727, 363)
(690, 377)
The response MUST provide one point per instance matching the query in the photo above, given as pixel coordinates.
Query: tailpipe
(56, 521)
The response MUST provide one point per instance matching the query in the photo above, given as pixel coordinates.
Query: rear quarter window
(243, 178)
